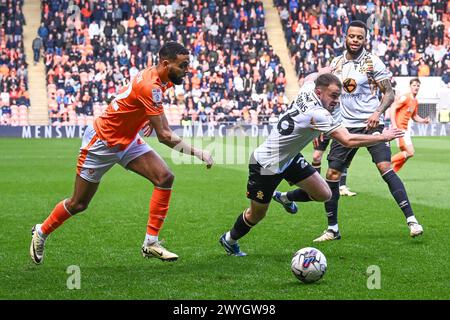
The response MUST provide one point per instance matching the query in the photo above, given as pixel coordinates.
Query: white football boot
(415, 229)
(346, 192)
(156, 250)
(328, 235)
(37, 246)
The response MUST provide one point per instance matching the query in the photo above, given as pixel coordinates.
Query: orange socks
(159, 205)
(398, 160)
(55, 219)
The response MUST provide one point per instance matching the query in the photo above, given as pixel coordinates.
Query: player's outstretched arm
(166, 136)
(419, 119)
(350, 140)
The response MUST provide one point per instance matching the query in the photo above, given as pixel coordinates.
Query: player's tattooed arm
(386, 101)
(388, 95)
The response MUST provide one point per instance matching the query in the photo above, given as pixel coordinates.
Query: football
(309, 265)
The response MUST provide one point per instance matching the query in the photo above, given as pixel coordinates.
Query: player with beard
(114, 138)
(279, 157)
(362, 74)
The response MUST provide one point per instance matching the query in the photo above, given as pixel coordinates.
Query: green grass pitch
(105, 240)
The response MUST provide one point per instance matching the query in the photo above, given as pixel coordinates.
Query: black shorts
(323, 145)
(340, 157)
(261, 185)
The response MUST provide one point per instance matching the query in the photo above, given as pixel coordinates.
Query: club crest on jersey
(157, 95)
(260, 195)
(349, 85)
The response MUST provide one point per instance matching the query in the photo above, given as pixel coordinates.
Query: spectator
(37, 45)
(13, 67)
(424, 69)
(401, 33)
(114, 40)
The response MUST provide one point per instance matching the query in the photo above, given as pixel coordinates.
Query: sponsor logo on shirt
(349, 85)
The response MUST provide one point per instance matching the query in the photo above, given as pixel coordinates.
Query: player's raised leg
(312, 188)
(288, 199)
(406, 152)
(151, 166)
(82, 195)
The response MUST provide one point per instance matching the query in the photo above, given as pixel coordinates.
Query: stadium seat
(14, 110)
(23, 109)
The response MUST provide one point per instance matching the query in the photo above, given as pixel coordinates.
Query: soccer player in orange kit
(403, 110)
(114, 138)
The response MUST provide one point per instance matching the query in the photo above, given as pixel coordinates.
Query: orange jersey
(128, 112)
(407, 108)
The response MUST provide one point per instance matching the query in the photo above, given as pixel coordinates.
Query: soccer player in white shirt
(362, 73)
(278, 157)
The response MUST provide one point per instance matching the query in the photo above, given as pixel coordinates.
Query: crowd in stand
(411, 37)
(92, 52)
(14, 97)
(92, 49)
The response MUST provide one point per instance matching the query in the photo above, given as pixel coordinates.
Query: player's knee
(256, 212)
(317, 158)
(254, 216)
(333, 174)
(75, 207)
(323, 195)
(409, 154)
(384, 167)
(164, 180)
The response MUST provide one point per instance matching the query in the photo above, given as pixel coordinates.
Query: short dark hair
(358, 24)
(170, 51)
(414, 80)
(326, 79)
